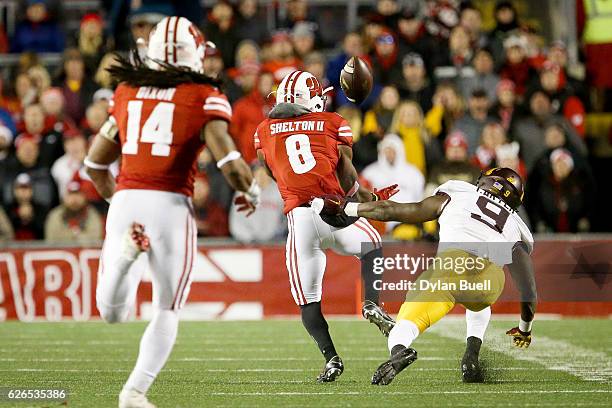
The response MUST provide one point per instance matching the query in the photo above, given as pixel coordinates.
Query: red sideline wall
(229, 282)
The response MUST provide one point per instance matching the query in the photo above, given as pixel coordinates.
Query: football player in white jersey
(478, 223)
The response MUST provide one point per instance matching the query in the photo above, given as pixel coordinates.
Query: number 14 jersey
(302, 153)
(159, 133)
(480, 223)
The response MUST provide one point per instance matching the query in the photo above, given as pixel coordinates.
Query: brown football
(356, 80)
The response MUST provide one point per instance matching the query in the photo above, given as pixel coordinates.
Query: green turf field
(274, 363)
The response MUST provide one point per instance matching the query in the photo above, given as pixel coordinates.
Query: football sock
(402, 334)
(368, 275)
(317, 327)
(477, 322)
(155, 347)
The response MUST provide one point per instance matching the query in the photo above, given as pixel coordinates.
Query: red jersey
(302, 153)
(159, 132)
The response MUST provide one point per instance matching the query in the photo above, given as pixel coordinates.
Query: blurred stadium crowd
(450, 100)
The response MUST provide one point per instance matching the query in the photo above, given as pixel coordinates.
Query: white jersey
(480, 223)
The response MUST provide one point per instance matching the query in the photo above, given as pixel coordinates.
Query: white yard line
(480, 391)
(553, 354)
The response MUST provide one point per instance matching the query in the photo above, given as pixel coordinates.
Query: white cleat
(135, 241)
(133, 399)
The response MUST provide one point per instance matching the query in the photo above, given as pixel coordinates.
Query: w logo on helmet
(314, 86)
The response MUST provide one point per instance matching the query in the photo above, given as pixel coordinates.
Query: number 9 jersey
(159, 133)
(480, 223)
(302, 153)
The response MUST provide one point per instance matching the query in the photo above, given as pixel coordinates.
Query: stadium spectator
(460, 52)
(470, 18)
(91, 40)
(248, 112)
(593, 27)
(441, 17)
(25, 92)
(414, 83)
(39, 32)
(65, 167)
(563, 100)
(74, 220)
(95, 116)
(507, 155)
(76, 85)
(296, 11)
(265, 224)
(213, 63)
(408, 124)
(250, 25)
(557, 54)
(141, 21)
(517, 67)
(504, 110)
(455, 166)
(414, 38)
(27, 217)
(529, 130)
(448, 106)
(391, 167)
(376, 124)
(473, 121)
(482, 76)
(383, 58)
(26, 160)
(41, 80)
(493, 135)
(506, 22)
(34, 128)
(281, 60)
(562, 199)
(6, 229)
(211, 216)
(52, 103)
(222, 31)
(303, 39)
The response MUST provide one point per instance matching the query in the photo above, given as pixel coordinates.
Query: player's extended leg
(173, 249)
(306, 266)
(362, 240)
(117, 284)
(413, 319)
(476, 323)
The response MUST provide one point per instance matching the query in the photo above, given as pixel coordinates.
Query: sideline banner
(241, 282)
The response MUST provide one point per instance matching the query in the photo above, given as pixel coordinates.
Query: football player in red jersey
(163, 112)
(309, 153)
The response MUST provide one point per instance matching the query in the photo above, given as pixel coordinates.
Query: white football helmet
(178, 42)
(302, 88)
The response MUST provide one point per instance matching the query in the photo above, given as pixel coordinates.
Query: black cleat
(332, 370)
(386, 372)
(470, 369)
(377, 315)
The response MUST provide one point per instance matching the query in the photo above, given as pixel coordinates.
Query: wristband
(231, 156)
(351, 209)
(353, 190)
(525, 326)
(95, 166)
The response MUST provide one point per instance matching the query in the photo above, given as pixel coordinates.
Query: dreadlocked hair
(137, 73)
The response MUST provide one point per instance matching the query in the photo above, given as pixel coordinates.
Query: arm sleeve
(216, 106)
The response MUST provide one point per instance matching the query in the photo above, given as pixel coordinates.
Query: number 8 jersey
(302, 153)
(480, 223)
(159, 133)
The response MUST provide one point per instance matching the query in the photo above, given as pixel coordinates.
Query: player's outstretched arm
(233, 167)
(103, 151)
(411, 213)
(521, 270)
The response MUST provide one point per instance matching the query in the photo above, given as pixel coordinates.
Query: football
(356, 80)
